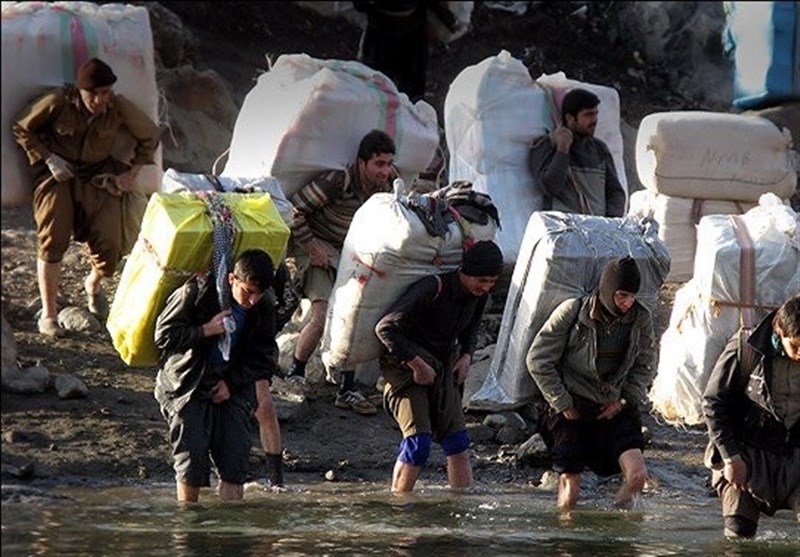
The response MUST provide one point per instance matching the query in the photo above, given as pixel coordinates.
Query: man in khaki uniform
(79, 188)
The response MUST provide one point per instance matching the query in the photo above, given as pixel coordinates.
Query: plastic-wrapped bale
(305, 116)
(677, 219)
(387, 248)
(562, 256)
(174, 181)
(491, 113)
(711, 155)
(44, 44)
(175, 243)
(745, 266)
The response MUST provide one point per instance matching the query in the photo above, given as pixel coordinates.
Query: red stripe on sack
(80, 51)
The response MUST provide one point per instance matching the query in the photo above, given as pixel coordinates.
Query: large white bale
(677, 219)
(722, 296)
(713, 155)
(44, 43)
(305, 116)
(387, 249)
(491, 113)
(562, 256)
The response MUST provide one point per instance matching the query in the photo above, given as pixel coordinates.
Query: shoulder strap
(438, 286)
(745, 353)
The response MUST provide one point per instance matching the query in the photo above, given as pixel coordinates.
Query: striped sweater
(324, 208)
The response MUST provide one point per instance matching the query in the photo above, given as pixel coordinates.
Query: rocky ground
(115, 434)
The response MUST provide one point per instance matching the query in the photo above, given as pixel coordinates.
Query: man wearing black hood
(593, 360)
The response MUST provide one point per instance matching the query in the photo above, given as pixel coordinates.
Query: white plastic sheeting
(44, 43)
(492, 113)
(712, 306)
(562, 256)
(677, 219)
(713, 155)
(387, 248)
(305, 116)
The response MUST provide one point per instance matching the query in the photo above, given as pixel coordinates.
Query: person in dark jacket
(593, 361)
(395, 40)
(752, 409)
(575, 170)
(208, 400)
(430, 333)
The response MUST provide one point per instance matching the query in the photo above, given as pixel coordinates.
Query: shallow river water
(364, 519)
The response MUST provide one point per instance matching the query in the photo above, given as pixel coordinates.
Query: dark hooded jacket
(738, 405)
(185, 366)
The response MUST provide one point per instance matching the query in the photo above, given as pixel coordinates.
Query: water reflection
(363, 519)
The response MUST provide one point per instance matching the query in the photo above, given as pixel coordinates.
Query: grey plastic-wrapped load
(561, 257)
(746, 265)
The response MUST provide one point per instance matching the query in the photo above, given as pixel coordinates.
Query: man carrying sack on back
(575, 170)
(80, 190)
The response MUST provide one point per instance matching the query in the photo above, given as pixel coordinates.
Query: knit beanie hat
(483, 259)
(94, 73)
(621, 273)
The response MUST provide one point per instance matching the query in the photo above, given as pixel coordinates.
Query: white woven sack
(714, 156)
(608, 129)
(305, 116)
(710, 308)
(562, 256)
(677, 219)
(44, 43)
(491, 113)
(174, 181)
(387, 249)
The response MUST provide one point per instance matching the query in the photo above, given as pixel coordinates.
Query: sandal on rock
(97, 303)
(49, 326)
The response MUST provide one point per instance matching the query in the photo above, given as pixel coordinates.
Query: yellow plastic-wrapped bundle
(175, 242)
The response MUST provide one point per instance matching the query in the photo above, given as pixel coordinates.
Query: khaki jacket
(562, 356)
(57, 123)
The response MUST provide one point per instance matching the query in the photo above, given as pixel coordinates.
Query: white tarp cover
(713, 155)
(305, 116)
(562, 256)
(711, 307)
(44, 43)
(492, 113)
(677, 219)
(387, 248)
(174, 181)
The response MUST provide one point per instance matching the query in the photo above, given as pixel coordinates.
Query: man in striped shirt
(323, 211)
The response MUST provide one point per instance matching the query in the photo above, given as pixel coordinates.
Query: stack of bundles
(305, 116)
(677, 219)
(393, 241)
(44, 44)
(563, 257)
(492, 113)
(174, 181)
(703, 163)
(746, 265)
(174, 244)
